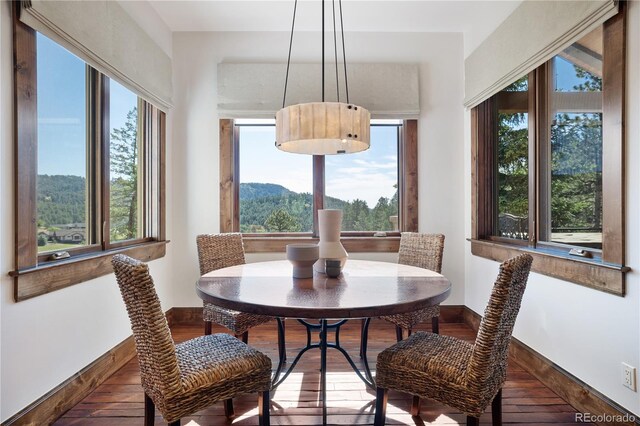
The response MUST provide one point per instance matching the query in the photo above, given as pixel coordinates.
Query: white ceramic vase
(302, 257)
(330, 225)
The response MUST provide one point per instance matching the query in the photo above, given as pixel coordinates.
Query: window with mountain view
(276, 187)
(364, 185)
(89, 167)
(98, 146)
(62, 190)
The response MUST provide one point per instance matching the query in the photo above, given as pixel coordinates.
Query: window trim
(32, 276)
(606, 273)
(353, 241)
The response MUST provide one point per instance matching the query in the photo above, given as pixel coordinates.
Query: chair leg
(398, 333)
(149, 411)
(282, 349)
(176, 423)
(435, 325)
(496, 409)
(228, 408)
(263, 409)
(409, 331)
(244, 336)
(415, 406)
(473, 421)
(381, 407)
(207, 328)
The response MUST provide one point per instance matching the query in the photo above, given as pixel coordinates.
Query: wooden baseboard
(580, 395)
(184, 316)
(50, 406)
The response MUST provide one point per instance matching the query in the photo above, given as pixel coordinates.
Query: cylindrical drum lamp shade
(323, 128)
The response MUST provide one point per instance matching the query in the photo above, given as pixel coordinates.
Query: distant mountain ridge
(253, 190)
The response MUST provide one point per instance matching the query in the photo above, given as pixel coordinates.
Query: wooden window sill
(591, 273)
(277, 244)
(53, 276)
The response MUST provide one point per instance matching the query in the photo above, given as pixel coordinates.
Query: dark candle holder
(332, 267)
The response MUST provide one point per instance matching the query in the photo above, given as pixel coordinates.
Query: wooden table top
(364, 289)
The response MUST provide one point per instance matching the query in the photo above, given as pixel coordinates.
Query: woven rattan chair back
(155, 347)
(421, 250)
(216, 251)
(488, 363)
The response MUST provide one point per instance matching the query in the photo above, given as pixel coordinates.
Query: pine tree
(123, 153)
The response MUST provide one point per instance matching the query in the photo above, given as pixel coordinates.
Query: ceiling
(476, 19)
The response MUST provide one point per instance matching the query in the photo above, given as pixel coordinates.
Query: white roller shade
(530, 36)
(102, 34)
(255, 90)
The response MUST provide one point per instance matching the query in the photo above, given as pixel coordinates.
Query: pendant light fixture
(323, 128)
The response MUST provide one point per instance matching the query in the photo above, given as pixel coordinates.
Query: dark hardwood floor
(119, 401)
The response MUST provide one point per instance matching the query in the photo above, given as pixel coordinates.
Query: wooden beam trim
(577, 393)
(47, 278)
(613, 138)
(26, 141)
(52, 405)
(408, 178)
(226, 175)
(604, 277)
(474, 173)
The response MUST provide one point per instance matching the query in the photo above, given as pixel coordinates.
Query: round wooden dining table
(365, 289)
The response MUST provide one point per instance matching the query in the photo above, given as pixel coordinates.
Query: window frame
(354, 241)
(606, 269)
(37, 273)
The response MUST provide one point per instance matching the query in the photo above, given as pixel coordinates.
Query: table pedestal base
(323, 344)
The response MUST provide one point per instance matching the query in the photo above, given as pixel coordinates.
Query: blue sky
(565, 75)
(62, 110)
(366, 175)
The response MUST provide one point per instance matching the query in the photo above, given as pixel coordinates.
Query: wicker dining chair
(424, 251)
(463, 375)
(183, 378)
(217, 251)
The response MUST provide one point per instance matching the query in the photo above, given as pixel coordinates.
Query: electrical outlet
(629, 376)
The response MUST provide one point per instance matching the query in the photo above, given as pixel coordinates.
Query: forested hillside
(264, 207)
(60, 200)
(274, 208)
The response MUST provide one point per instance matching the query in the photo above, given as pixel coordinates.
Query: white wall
(195, 56)
(148, 19)
(586, 332)
(47, 339)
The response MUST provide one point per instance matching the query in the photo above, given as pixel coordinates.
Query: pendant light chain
(322, 50)
(344, 55)
(335, 49)
(286, 79)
